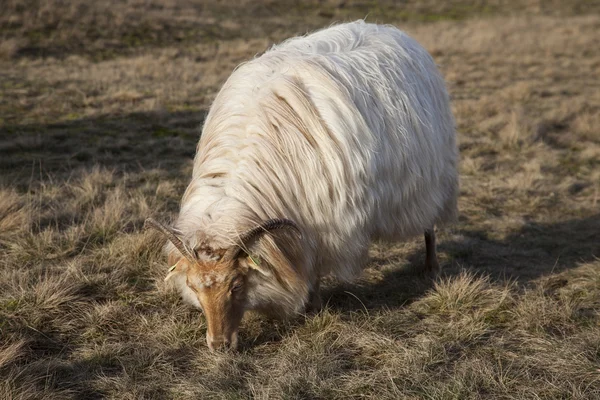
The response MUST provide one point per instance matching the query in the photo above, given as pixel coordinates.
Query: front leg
(314, 303)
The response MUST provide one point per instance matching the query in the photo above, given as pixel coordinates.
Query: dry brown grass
(100, 105)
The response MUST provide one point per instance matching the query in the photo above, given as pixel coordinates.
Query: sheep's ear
(179, 267)
(273, 264)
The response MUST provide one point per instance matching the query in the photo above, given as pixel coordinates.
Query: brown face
(215, 278)
(221, 292)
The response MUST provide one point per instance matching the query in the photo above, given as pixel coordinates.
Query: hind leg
(432, 267)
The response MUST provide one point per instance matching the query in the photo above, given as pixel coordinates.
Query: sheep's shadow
(534, 251)
(397, 288)
(395, 277)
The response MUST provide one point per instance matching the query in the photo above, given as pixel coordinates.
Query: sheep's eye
(237, 286)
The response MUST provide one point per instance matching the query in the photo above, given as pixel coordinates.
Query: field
(101, 105)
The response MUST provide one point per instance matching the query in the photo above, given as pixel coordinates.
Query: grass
(99, 113)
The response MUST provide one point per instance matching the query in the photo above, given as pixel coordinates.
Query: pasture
(101, 105)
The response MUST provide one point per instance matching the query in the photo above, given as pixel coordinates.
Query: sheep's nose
(219, 344)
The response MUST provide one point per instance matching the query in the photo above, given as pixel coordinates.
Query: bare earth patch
(100, 109)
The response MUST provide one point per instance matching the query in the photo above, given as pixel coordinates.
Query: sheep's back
(347, 130)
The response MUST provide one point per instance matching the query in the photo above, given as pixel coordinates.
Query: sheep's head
(217, 279)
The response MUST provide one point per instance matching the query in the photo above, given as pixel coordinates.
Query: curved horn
(256, 232)
(173, 238)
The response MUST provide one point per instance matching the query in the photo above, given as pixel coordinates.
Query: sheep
(309, 153)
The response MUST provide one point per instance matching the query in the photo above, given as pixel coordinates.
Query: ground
(100, 109)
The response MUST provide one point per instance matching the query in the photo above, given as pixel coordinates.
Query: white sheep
(334, 139)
